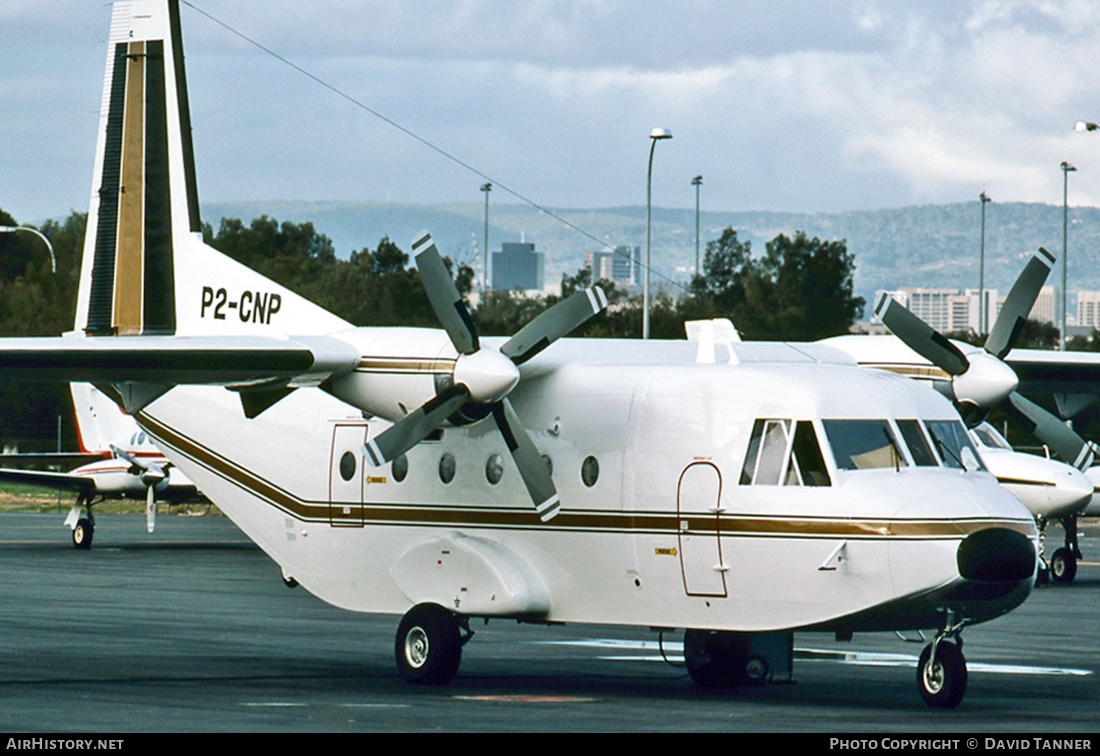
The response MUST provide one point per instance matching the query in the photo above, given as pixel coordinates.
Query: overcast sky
(793, 105)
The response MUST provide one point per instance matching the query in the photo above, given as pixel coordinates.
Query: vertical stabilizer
(144, 191)
(101, 424)
(146, 270)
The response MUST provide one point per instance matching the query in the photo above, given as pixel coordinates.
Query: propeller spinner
(152, 475)
(484, 376)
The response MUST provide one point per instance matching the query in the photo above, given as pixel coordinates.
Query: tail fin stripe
(158, 286)
(101, 299)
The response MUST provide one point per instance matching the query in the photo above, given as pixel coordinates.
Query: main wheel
(428, 645)
(942, 681)
(719, 659)
(82, 533)
(1063, 566)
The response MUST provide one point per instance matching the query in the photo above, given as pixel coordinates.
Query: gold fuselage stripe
(667, 523)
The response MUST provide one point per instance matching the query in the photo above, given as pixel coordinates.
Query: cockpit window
(807, 460)
(951, 441)
(782, 452)
(917, 442)
(987, 436)
(767, 453)
(863, 444)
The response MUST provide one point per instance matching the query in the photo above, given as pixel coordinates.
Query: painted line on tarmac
(673, 652)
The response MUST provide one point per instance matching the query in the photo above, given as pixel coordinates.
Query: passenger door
(346, 476)
(697, 507)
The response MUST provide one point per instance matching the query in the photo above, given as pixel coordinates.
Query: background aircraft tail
(101, 423)
(145, 269)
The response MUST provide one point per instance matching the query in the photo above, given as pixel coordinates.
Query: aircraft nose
(996, 555)
(1072, 492)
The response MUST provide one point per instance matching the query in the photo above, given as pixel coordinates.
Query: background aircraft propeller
(980, 380)
(484, 377)
(976, 394)
(151, 475)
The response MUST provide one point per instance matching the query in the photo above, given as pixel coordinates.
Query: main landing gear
(429, 644)
(81, 521)
(722, 659)
(941, 670)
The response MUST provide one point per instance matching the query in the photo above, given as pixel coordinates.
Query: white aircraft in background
(443, 476)
(124, 465)
(977, 379)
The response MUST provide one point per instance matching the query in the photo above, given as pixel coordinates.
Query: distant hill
(932, 245)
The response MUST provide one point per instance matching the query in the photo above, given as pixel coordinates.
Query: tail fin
(100, 423)
(145, 268)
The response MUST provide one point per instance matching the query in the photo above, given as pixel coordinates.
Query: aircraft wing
(66, 459)
(1051, 372)
(54, 480)
(234, 361)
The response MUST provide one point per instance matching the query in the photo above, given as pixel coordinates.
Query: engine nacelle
(400, 369)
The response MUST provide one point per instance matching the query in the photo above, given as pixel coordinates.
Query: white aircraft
(125, 465)
(980, 378)
(443, 476)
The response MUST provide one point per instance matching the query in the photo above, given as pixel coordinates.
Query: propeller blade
(553, 324)
(443, 295)
(919, 336)
(150, 508)
(1018, 303)
(1048, 428)
(532, 467)
(415, 427)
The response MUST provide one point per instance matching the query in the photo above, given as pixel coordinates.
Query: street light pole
(1066, 169)
(39, 234)
(654, 136)
(981, 273)
(697, 182)
(485, 243)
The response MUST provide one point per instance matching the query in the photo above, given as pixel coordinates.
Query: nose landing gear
(941, 670)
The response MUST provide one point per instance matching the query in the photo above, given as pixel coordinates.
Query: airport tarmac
(191, 629)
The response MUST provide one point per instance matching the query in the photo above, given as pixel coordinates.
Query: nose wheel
(941, 670)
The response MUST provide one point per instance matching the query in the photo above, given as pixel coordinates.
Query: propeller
(979, 393)
(483, 376)
(980, 379)
(151, 475)
(1052, 431)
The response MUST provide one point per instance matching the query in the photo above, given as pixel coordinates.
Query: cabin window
(447, 467)
(782, 452)
(590, 471)
(399, 468)
(919, 448)
(951, 441)
(863, 444)
(494, 468)
(347, 466)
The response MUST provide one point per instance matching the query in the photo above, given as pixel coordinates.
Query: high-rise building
(949, 310)
(617, 265)
(517, 266)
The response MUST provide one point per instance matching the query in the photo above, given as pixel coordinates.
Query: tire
(942, 683)
(428, 646)
(82, 533)
(1063, 566)
(718, 659)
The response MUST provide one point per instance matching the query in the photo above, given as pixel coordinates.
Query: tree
(799, 290)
